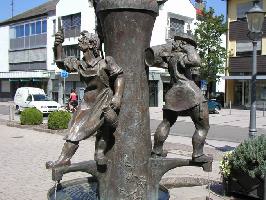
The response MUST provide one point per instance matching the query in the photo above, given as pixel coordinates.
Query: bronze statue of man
(101, 103)
(184, 98)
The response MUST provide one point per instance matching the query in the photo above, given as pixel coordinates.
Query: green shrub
(58, 120)
(31, 116)
(249, 157)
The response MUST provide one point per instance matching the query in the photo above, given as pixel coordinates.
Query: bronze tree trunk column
(127, 28)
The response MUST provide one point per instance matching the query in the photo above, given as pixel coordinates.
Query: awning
(22, 74)
(259, 77)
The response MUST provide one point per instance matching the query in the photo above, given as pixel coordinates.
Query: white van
(29, 97)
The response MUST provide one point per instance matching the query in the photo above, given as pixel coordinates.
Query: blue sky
(23, 5)
(19, 7)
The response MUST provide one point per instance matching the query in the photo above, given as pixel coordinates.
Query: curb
(177, 182)
(33, 127)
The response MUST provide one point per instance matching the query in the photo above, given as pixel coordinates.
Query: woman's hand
(116, 102)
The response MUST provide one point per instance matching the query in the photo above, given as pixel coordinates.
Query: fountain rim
(141, 6)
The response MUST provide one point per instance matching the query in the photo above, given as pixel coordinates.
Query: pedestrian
(73, 100)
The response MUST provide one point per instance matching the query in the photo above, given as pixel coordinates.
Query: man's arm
(119, 86)
(116, 74)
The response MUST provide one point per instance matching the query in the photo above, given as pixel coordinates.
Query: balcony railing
(28, 42)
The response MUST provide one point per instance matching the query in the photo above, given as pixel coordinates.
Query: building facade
(27, 46)
(174, 17)
(24, 50)
(240, 60)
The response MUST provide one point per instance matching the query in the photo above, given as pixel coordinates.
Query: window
(40, 97)
(176, 26)
(72, 50)
(71, 21)
(245, 48)
(19, 31)
(242, 8)
(32, 29)
(44, 26)
(5, 86)
(38, 27)
(27, 29)
(29, 98)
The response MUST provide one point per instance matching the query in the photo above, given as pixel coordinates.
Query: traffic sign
(64, 74)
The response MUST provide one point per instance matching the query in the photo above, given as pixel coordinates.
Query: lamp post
(255, 18)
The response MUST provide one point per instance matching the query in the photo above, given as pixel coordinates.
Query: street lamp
(255, 18)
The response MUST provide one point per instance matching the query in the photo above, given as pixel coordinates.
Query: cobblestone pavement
(23, 155)
(24, 152)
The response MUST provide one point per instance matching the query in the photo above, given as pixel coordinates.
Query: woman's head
(73, 90)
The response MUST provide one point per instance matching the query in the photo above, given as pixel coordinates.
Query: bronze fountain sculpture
(102, 99)
(116, 106)
(185, 97)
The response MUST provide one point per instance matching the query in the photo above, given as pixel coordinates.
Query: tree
(213, 56)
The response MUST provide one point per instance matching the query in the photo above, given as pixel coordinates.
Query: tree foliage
(208, 34)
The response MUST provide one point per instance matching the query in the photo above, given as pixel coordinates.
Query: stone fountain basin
(86, 189)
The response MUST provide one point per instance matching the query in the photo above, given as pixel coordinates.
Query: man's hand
(59, 38)
(116, 102)
(72, 64)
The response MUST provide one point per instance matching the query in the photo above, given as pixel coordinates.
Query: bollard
(230, 107)
(11, 112)
(263, 109)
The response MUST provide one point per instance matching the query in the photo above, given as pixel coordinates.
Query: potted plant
(243, 169)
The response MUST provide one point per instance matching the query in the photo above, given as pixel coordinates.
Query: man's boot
(198, 144)
(99, 156)
(160, 136)
(68, 151)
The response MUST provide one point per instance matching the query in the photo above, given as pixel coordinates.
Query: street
(216, 132)
(223, 126)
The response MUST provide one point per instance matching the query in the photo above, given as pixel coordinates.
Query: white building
(28, 52)
(24, 50)
(174, 16)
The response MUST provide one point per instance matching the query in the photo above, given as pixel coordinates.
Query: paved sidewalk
(24, 152)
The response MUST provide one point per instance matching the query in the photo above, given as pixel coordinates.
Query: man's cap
(188, 38)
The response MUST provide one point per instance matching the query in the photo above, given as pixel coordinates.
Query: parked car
(214, 106)
(29, 97)
(218, 97)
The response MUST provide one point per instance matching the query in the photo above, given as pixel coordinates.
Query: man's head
(88, 41)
